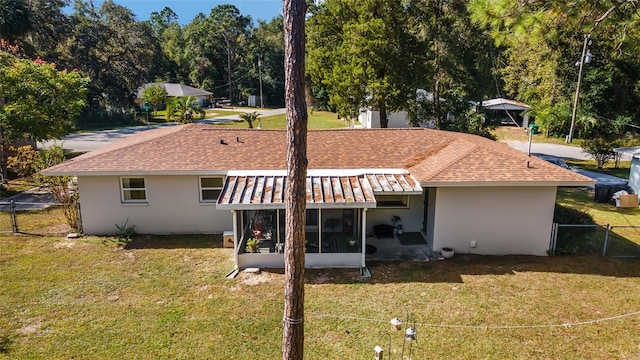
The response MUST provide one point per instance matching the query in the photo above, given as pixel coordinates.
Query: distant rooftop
(176, 90)
(504, 104)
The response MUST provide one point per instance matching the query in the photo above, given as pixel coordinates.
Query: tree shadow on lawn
(212, 241)
(453, 270)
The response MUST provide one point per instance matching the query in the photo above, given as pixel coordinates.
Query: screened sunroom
(336, 215)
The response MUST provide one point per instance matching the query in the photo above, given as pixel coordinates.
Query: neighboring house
(634, 171)
(509, 112)
(370, 118)
(179, 90)
(457, 190)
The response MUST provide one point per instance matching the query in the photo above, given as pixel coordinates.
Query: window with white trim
(133, 189)
(392, 201)
(210, 188)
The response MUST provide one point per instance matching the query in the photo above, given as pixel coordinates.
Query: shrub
(23, 163)
(574, 240)
(100, 118)
(601, 149)
(63, 188)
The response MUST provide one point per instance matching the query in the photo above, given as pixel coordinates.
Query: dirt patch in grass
(30, 329)
(252, 278)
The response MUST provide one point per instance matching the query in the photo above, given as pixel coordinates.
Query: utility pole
(584, 57)
(228, 42)
(260, 75)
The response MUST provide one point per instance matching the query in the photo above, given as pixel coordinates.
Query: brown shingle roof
(432, 156)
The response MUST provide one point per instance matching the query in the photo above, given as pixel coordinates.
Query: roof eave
(507, 183)
(135, 173)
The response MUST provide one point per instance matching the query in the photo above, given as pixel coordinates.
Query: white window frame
(405, 206)
(201, 188)
(123, 189)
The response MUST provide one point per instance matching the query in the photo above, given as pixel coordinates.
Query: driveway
(33, 199)
(88, 141)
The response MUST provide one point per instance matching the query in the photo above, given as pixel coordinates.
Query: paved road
(83, 142)
(561, 151)
(34, 199)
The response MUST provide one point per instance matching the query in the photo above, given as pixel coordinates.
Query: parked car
(554, 160)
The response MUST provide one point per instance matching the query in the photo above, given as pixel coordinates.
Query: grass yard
(317, 120)
(512, 133)
(622, 171)
(159, 116)
(166, 297)
(15, 186)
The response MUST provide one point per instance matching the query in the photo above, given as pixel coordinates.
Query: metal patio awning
(256, 191)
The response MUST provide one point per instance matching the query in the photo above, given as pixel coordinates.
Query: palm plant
(250, 118)
(184, 108)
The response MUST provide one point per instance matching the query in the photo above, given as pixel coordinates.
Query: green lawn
(603, 213)
(622, 171)
(512, 133)
(15, 186)
(167, 297)
(317, 120)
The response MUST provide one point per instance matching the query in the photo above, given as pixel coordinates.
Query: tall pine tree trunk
(384, 120)
(295, 193)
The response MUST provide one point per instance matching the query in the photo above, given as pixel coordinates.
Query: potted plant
(352, 241)
(447, 252)
(399, 229)
(252, 245)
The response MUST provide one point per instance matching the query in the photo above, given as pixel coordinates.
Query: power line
(486, 327)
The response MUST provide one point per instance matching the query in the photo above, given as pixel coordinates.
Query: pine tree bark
(295, 191)
(384, 120)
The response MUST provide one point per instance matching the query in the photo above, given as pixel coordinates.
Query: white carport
(507, 106)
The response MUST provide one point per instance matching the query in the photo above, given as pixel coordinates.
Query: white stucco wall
(398, 119)
(411, 217)
(503, 220)
(173, 207)
(371, 119)
(634, 175)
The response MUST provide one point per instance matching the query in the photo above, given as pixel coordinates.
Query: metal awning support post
(235, 237)
(364, 237)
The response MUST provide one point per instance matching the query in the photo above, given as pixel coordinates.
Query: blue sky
(188, 9)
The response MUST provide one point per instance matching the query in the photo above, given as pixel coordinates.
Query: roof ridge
(470, 146)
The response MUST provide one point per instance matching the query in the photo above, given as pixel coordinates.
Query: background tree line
(366, 53)
(378, 52)
(217, 52)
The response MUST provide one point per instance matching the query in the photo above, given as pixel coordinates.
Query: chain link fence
(623, 241)
(605, 240)
(18, 217)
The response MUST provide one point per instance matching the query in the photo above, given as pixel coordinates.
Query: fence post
(554, 241)
(553, 231)
(14, 219)
(606, 240)
(78, 218)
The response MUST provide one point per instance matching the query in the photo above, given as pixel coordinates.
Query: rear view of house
(456, 190)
